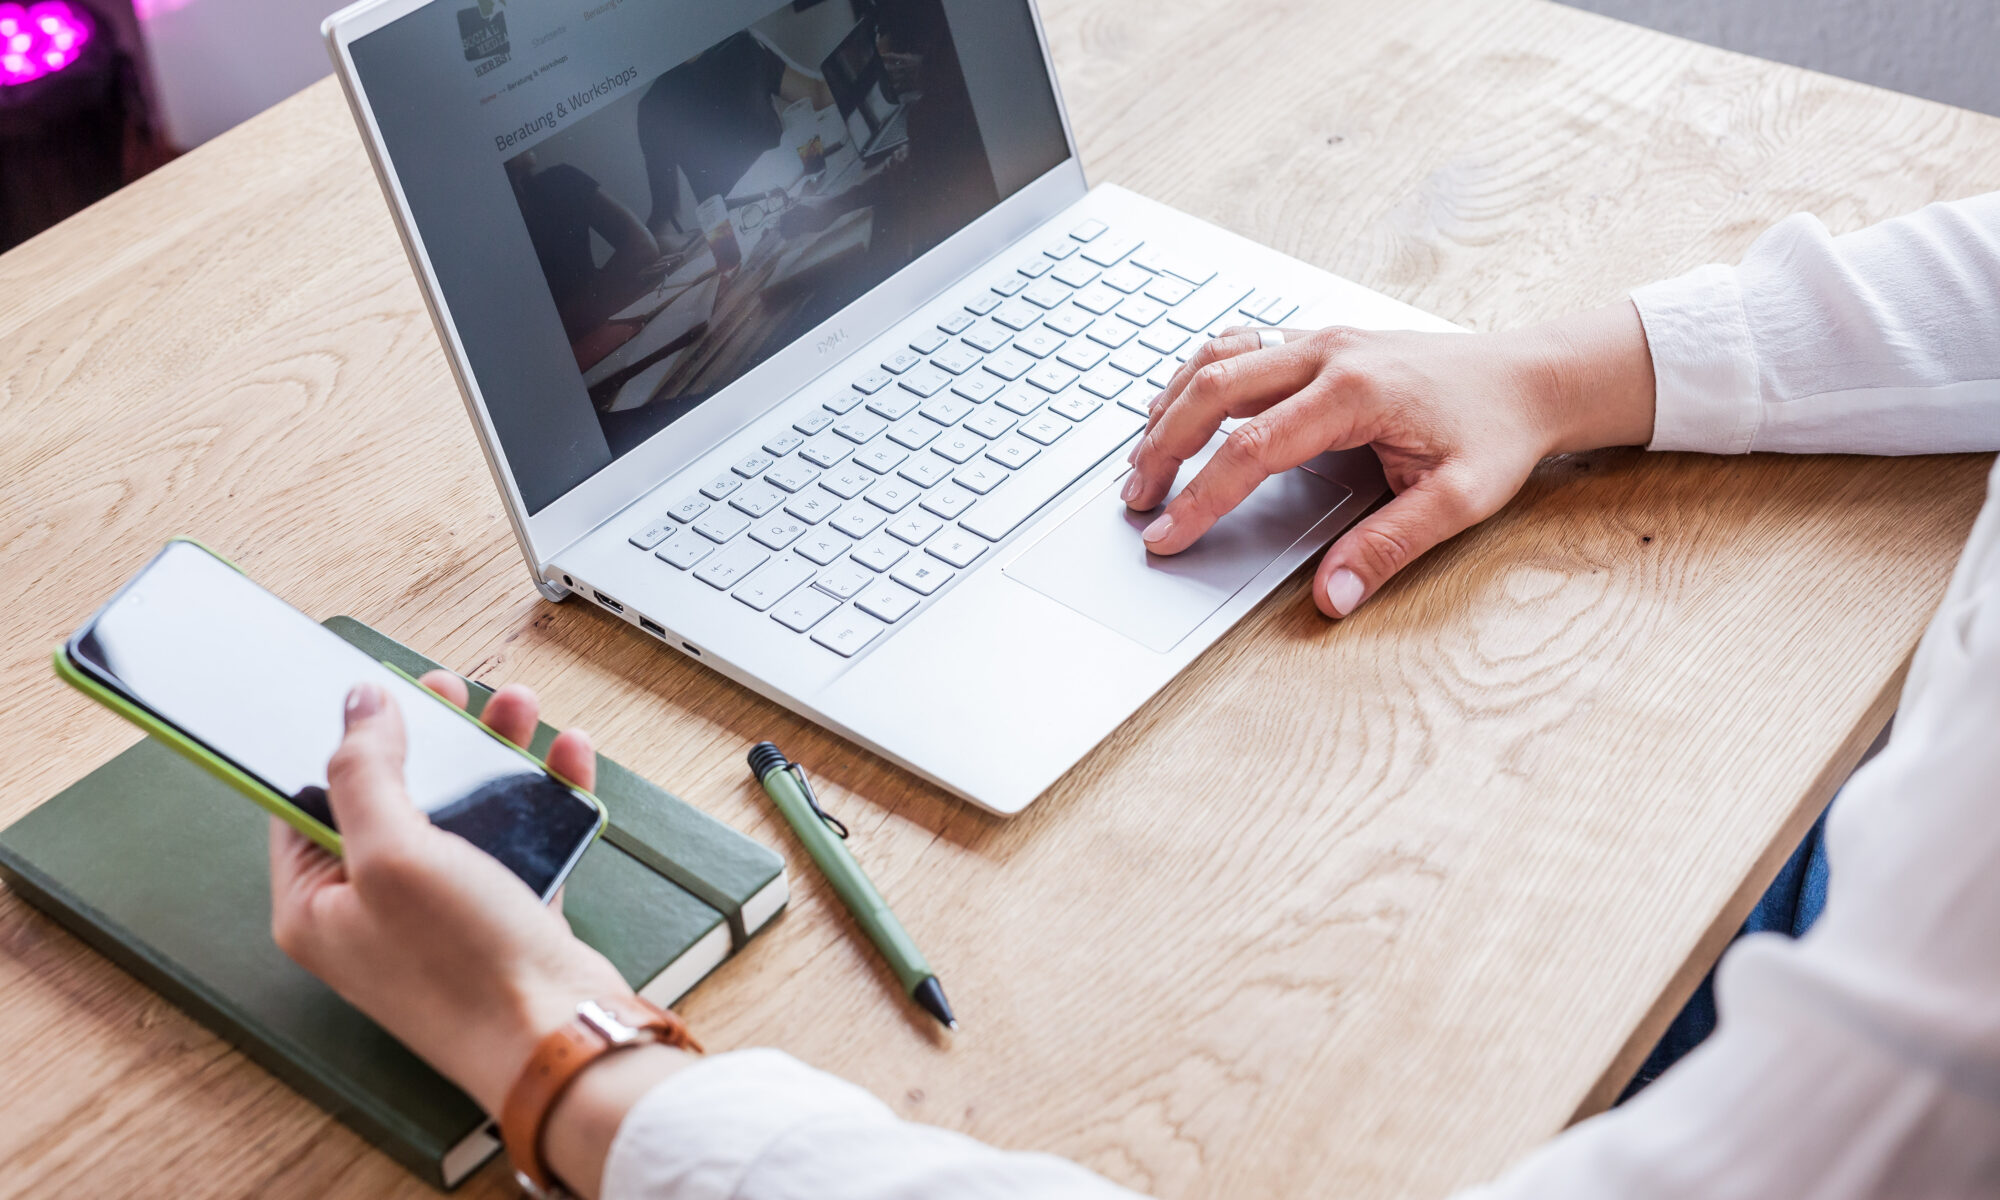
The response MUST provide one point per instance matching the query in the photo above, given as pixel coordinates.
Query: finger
(365, 775)
(1276, 440)
(513, 713)
(1388, 540)
(572, 757)
(1232, 384)
(448, 686)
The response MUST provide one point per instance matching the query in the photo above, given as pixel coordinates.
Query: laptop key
(1076, 273)
(1069, 321)
(888, 600)
(956, 547)
(926, 381)
(901, 361)
(753, 466)
(1135, 361)
(813, 422)
(1013, 452)
(946, 410)
(914, 527)
(1043, 480)
(719, 487)
(684, 552)
(879, 553)
(1210, 302)
(1164, 261)
(688, 509)
(979, 306)
(925, 470)
(1010, 364)
(757, 500)
(957, 445)
(1278, 312)
(1083, 354)
(957, 358)
(928, 341)
(1059, 249)
(652, 535)
(989, 424)
(847, 632)
(1074, 405)
(1040, 342)
(804, 609)
(729, 565)
(783, 444)
(1112, 332)
(842, 402)
(1126, 278)
(1052, 377)
(895, 405)
(1046, 293)
(777, 533)
(858, 520)
(881, 458)
(986, 337)
(893, 495)
(977, 388)
(1008, 285)
(956, 323)
(859, 428)
(1106, 382)
(1034, 268)
(1017, 314)
(848, 482)
(1020, 401)
(949, 502)
(1108, 251)
(812, 506)
(825, 449)
(821, 546)
(980, 476)
(921, 574)
(1162, 376)
(844, 579)
(914, 433)
(722, 524)
(1097, 299)
(773, 581)
(1089, 231)
(790, 475)
(1044, 429)
(1164, 338)
(1169, 289)
(874, 381)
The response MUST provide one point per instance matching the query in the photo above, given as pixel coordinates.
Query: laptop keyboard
(858, 511)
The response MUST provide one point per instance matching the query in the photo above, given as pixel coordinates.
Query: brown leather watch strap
(598, 1028)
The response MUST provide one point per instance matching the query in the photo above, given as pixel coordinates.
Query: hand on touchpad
(1095, 563)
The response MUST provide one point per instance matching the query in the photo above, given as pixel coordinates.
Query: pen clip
(832, 822)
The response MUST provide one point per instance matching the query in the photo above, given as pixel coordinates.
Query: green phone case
(264, 797)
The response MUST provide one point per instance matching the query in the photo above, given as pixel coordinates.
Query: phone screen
(264, 686)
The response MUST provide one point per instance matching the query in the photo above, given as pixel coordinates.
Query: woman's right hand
(1458, 422)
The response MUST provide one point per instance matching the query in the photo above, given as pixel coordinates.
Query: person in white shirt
(1860, 1061)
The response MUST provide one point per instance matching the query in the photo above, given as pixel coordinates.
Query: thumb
(1386, 541)
(365, 775)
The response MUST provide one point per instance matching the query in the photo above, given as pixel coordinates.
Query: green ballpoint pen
(825, 839)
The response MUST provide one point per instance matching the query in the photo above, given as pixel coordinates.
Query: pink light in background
(39, 39)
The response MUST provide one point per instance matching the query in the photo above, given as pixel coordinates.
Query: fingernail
(1343, 588)
(364, 701)
(1158, 530)
(1131, 491)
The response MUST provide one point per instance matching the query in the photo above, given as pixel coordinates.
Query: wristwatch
(598, 1028)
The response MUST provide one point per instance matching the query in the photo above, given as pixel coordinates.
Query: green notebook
(164, 869)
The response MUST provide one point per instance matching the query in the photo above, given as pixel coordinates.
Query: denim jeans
(1790, 906)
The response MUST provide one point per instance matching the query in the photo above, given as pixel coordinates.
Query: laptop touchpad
(1095, 563)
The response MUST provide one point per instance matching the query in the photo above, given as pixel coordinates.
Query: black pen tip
(930, 997)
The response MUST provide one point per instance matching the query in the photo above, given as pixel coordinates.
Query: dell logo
(832, 341)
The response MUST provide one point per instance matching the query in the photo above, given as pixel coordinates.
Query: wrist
(1590, 379)
(494, 1052)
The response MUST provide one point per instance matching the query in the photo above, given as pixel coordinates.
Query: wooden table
(1364, 909)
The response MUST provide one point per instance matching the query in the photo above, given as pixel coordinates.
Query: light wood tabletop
(1363, 909)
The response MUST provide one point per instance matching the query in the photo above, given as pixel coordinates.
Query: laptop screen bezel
(823, 349)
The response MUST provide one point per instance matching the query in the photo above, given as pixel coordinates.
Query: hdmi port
(608, 602)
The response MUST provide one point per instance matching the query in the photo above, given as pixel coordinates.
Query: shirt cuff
(697, 1133)
(1704, 363)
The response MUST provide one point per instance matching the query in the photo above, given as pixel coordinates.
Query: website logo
(483, 31)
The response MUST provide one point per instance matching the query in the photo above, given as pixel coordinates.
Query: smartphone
(254, 690)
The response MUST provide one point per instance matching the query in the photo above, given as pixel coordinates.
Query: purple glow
(39, 39)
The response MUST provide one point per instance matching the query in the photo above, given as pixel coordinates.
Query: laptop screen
(629, 204)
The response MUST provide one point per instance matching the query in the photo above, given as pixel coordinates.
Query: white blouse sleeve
(1880, 342)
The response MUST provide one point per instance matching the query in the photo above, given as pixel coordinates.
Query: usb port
(651, 628)
(608, 602)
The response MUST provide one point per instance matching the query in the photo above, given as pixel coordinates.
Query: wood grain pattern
(1364, 910)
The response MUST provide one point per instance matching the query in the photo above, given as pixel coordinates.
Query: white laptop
(848, 428)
